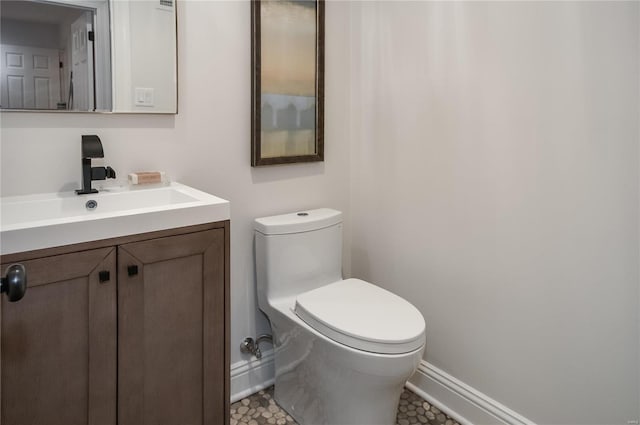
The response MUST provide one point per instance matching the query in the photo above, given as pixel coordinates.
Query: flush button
(303, 214)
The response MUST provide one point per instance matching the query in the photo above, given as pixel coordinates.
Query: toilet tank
(297, 252)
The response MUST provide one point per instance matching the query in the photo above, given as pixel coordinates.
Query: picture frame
(287, 81)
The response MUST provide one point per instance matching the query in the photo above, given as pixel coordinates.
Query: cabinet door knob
(14, 284)
(132, 270)
(104, 276)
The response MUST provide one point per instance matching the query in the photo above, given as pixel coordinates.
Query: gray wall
(495, 185)
(21, 33)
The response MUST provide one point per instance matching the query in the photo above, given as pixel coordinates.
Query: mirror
(88, 55)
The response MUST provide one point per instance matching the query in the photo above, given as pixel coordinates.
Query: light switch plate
(144, 96)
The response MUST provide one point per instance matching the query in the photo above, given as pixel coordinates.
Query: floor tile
(261, 409)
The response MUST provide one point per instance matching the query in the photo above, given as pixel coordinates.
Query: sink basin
(54, 219)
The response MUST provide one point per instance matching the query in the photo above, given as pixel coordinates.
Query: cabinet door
(171, 330)
(58, 354)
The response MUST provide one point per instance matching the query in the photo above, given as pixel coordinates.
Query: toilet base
(321, 382)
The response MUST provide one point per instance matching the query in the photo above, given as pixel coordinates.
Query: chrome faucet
(92, 148)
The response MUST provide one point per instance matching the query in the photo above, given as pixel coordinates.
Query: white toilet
(344, 348)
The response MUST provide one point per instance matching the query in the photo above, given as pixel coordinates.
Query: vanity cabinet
(131, 330)
(171, 330)
(58, 353)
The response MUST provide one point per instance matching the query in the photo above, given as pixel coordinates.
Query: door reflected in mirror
(88, 55)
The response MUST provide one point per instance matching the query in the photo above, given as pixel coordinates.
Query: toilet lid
(363, 316)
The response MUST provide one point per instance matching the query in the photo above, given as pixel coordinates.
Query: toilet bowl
(344, 348)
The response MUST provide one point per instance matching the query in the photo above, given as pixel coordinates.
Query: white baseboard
(250, 376)
(460, 401)
(455, 398)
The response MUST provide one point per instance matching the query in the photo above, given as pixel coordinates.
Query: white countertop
(54, 219)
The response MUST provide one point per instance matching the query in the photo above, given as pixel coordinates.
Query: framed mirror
(287, 81)
(88, 56)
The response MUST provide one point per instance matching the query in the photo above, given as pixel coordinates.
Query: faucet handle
(92, 146)
(102, 173)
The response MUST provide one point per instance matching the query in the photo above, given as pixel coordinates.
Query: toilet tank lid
(298, 222)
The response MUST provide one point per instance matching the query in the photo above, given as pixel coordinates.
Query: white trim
(250, 376)
(437, 403)
(460, 401)
(453, 397)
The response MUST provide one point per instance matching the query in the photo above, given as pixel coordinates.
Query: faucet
(92, 148)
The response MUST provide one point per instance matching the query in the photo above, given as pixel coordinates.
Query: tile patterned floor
(261, 409)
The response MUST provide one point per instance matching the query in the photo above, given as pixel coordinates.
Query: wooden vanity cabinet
(171, 330)
(132, 330)
(58, 353)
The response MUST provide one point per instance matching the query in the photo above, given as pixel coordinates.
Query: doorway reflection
(49, 56)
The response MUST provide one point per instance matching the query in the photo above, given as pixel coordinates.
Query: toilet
(344, 348)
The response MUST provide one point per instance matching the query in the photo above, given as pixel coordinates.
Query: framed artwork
(287, 58)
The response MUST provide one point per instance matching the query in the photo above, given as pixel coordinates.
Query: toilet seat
(363, 316)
